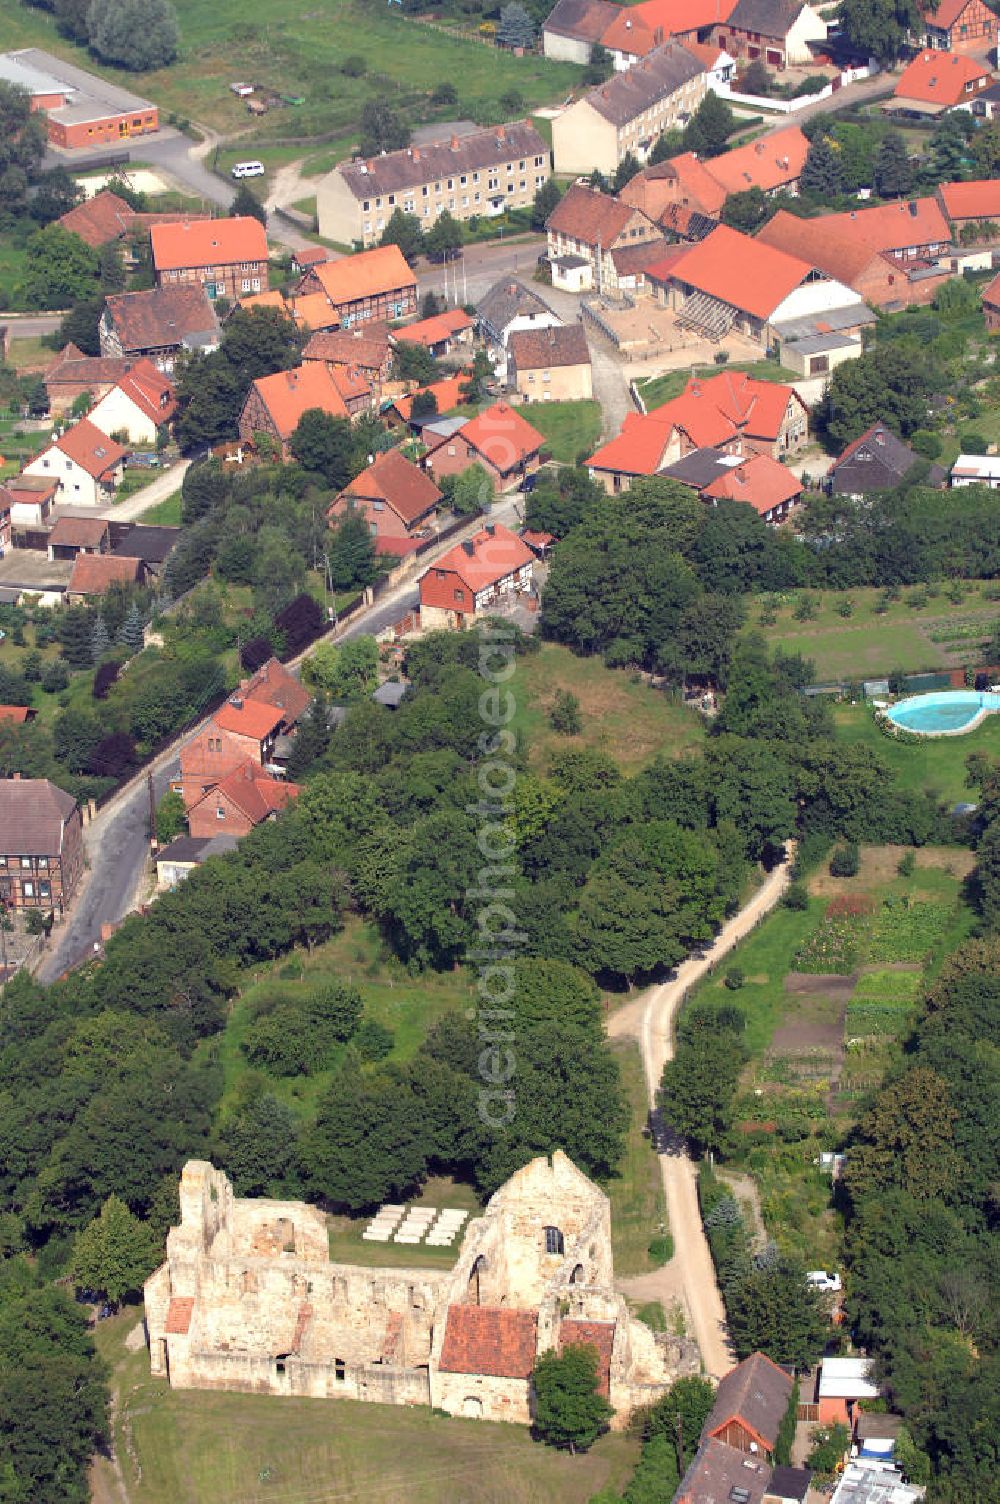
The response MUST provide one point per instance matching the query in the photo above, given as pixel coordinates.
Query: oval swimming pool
(945, 712)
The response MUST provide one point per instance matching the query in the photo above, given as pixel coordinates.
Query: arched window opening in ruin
(284, 1234)
(339, 1370)
(478, 1268)
(472, 1407)
(554, 1240)
(576, 1278)
(279, 1364)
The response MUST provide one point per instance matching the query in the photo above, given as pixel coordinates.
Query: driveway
(165, 484)
(690, 1274)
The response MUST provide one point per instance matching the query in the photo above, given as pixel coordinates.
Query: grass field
(165, 513)
(936, 763)
(869, 643)
(13, 265)
(659, 389)
(638, 1208)
(297, 51)
(188, 1447)
(621, 715)
(406, 1005)
(569, 428)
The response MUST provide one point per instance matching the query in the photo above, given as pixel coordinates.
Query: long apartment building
(628, 112)
(483, 173)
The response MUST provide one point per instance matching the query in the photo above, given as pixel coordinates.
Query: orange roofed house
(970, 204)
(274, 404)
(730, 281)
(887, 254)
(498, 438)
(732, 413)
(238, 802)
(937, 81)
(773, 164)
(247, 729)
(396, 498)
(94, 574)
(959, 26)
(475, 578)
(228, 257)
(440, 334)
(86, 465)
(758, 480)
(584, 228)
(376, 284)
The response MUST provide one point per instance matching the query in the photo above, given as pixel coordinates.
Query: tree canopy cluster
(135, 34)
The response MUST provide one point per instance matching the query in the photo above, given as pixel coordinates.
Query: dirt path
(690, 1274)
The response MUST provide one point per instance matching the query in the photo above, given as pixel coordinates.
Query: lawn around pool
(177, 1446)
(935, 763)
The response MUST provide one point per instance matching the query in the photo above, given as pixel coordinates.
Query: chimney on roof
(236, 702)
(501, 133)
(469, 547)
(913, 207)
(759, 148)
(415, 153)
(454, 143)
(491, 528)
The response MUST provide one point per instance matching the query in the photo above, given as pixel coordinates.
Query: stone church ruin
(248, 1299)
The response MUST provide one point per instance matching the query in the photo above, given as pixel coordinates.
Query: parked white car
(821, 1280)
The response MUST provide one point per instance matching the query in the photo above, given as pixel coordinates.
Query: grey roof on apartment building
(659, 74)
(475, 152)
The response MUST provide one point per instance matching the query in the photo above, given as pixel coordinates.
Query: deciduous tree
(570, 1412)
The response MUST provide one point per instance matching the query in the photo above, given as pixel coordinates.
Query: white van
(248, 170)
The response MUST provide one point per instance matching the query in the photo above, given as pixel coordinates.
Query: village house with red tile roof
(239, 802)
(475, 577)
(99, 219)
(275, 404)
(585, 227)
(756, 479)
(247, 728)
(365, 347)
(888, 254)
(937, 81)
(86, 465)
(773, 164)
(973, 203)
(139, 405)
(498, 438)
(397, 499)
(447, 394)
(732, 413)
(94, 574)
(441, 334)
(157, 323)
(378, 284)
(959, 26)
(228, 257)
(72, 374)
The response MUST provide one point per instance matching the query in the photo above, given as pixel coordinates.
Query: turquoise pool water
(944, 711)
